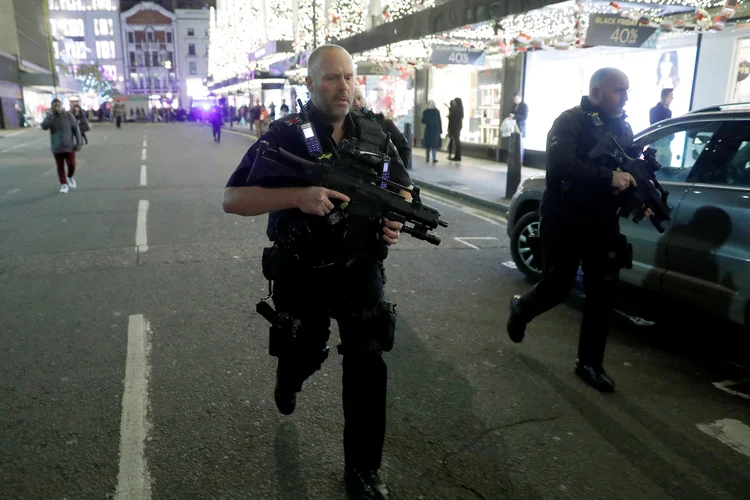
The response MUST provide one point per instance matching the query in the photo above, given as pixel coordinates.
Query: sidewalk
(472, 179)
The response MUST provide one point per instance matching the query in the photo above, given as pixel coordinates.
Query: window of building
(132, 58)
(66, 27)
(150, 36)
(191, 49)
(169, 37)
(109, 71)
(104, 27)
(193, 68)
(131, 38)
(190, 32)
(154, 58)
(169, 57)
(105, 49)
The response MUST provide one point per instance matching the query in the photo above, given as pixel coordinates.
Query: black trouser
(565, 247)
(83, 136)
(217, 132)
(118, 121)
(454, 146)
(313, 298)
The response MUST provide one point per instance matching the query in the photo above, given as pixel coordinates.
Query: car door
(708, 253)
(678, 148)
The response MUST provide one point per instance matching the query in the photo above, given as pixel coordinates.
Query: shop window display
(392, 95)
(740, 90)
(556, 82)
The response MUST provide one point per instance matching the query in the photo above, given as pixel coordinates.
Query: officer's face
(610, 97)
(332, 90)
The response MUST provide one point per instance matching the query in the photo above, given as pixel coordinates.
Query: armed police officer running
(321, 268)
(579, 221)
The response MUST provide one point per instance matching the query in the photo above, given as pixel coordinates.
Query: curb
(492, 205)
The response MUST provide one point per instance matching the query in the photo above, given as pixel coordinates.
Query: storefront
(36, 103)
(556, 81)
(723, 67)
(478, 84)
(389, 91)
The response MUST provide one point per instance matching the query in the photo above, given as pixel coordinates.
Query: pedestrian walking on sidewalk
(65, 138)
(433, 128)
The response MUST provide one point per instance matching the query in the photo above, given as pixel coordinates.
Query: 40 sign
(457, 55)
(615, 30)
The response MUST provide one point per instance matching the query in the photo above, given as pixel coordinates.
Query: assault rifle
(351, 173)
(647, 193)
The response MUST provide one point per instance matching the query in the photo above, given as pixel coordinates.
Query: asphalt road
(133, 358)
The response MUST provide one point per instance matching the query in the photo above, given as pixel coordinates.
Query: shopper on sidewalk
(433, 128)
(455, 124)
(65, 137)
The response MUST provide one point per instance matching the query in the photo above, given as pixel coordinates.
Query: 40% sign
(625, 36)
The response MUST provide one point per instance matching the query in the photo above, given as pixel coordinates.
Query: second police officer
(579, 221)
(315, 277)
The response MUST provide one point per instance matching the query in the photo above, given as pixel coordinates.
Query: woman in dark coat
(455, 124)
(433, 128)
(83, 124)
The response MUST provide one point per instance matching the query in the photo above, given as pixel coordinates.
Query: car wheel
(522, 249)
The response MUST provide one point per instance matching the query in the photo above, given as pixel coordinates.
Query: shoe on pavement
(365, 485)
(286, 399)
(72, 183)
(64, 189)
(516, 322)
(595, 377)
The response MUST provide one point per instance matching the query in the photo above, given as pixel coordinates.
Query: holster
(621, 256)
(387, 326)
(276, 262)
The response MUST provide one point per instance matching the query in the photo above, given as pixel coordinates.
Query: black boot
(516, 322)
(365, 485)
(284, 395)
(595, 377)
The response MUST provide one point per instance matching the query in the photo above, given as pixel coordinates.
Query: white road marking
(145, 143)
(510, 264)
(133, 480)
(143, 154)
(732, 433)
(462, 240)
(143, 175)
(141, 239)
(724, 386)
(479, 214)
(12, 192)
(19, 145)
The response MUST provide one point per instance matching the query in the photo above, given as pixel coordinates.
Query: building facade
(149, 34)
(27, 79)
(192, 47)
(83, 33)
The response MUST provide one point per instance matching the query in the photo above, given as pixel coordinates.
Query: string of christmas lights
(346, 18)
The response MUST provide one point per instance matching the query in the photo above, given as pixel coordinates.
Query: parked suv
(703, 257)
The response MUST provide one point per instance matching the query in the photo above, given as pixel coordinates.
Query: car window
(728, 160)
(678, 148)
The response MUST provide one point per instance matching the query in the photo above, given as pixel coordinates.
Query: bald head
(608, 91)
(359, 98)
(330, 80)
(319, 54)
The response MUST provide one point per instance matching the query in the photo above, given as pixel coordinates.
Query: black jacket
(578, 188)
(520, 114)
(659, 113)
